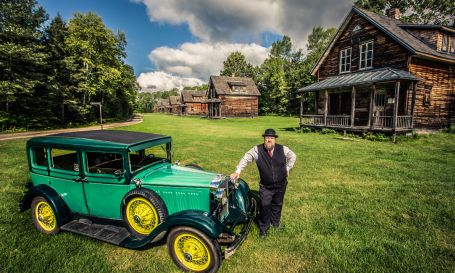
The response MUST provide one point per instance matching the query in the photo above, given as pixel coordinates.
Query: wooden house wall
(386, 52)
(441, 110)
(430, 36)
(242, 106)
(196, 108)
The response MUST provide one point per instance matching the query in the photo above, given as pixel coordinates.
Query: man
(273, 170)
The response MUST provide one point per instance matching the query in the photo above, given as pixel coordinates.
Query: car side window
(64, 160)
(103, 163)
(40, 156)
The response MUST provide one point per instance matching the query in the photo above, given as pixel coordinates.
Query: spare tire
(142, 210)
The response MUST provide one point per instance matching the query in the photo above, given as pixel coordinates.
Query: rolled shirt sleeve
(250, 156)
(291, 157)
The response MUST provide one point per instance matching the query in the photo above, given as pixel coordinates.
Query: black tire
(44, 216)
(149, 200)
(195, 242)
(194, 166)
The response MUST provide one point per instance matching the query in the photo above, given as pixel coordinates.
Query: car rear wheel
(192, 250)
(142, 211)
(194, 166)
(43, 216)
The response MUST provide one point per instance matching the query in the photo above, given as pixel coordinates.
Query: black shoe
(263, 234)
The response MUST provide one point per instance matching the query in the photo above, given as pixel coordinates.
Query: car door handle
(78, 179)
(84, 180)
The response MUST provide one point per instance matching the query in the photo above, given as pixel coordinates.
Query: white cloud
(225, 21)
(162, 81)
(200, 60)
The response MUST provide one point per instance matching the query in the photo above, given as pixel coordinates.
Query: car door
(65, 178)
(104, 190)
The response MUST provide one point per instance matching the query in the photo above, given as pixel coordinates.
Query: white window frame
(346, 50)
(452, 44)
(366, 55)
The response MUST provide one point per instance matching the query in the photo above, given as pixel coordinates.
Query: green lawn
(350, 205)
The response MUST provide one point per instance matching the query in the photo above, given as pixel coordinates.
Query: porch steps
(107, 233)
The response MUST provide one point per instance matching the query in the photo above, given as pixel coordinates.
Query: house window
(380, 100)
(238, 88)
(452, 45)
(427, 96)
(366, 55)
(345, 60)
(445, 40)
(357, 28)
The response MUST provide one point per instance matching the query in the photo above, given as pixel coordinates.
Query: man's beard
(269, 147)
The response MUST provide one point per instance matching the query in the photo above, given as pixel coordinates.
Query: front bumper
(242, 235)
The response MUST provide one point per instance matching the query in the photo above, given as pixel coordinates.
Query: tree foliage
(236, 63)
(437, 12)
(49, 74)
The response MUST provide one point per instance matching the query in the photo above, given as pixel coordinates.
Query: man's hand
(236, 176)
(287, 175)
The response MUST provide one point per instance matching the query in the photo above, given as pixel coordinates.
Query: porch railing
(343, 121)
(387, 121)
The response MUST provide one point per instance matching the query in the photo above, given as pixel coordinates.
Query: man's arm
(250, 156)
(291, 157)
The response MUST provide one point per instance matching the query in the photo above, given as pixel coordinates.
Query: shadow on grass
(290, 129)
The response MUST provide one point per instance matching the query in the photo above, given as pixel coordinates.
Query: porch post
(301, 109)
(395, 111)
(220, 109)
(325, 107)
(372, 98)
(352, 106)
(414, 88)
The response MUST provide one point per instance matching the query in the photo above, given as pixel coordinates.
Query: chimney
(233, 75)
(394, 13)
(195, 89)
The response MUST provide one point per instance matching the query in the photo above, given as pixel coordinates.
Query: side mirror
(119, 173)
(177, 162)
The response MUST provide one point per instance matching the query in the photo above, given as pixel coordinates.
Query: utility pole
(101, 113)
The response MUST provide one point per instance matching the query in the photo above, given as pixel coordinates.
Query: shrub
(326, 131)
(375, 137)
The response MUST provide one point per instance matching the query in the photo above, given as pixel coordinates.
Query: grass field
(350, 205)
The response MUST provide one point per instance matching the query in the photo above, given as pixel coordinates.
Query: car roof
(104, 139)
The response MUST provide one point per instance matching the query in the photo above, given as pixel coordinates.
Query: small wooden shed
(192, 99)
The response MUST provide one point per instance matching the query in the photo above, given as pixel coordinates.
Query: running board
(107, 233)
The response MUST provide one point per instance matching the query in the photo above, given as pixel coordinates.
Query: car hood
(177, 176)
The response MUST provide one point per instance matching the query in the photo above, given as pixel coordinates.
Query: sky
(179, 43)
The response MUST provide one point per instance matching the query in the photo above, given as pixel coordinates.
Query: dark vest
(272, 170)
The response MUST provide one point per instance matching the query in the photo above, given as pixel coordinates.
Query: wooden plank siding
(386, 51)
(430, 36)
(196, 108)
(440, 112)
(242, 106)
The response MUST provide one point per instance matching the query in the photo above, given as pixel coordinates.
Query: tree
(21, 59)
(437, 12)
(236, 63)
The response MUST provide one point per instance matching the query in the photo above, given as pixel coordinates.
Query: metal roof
(363, 77)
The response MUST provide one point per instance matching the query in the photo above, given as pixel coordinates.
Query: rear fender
(200, 220)
(52, 197)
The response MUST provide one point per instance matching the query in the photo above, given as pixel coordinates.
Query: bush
(326, 131)
(376, 137)
(451, 129)
(302, 130)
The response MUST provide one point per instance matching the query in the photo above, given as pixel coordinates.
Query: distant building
(192, 100)
(176, 105)
(232, 97)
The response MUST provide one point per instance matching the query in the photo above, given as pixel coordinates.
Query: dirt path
(133, 120)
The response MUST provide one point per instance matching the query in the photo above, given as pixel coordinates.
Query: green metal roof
(363, 77)
(101, 139)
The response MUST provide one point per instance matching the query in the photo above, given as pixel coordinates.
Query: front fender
(200, 220)
(52, 197)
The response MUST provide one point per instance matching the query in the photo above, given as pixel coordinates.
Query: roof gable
(223, 86)
(189, 95)
(391, 27)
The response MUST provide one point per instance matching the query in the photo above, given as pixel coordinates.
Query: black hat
(269, 132)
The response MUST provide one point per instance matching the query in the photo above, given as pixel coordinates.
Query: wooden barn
(192, 100)
(232, 97)
(381, 74)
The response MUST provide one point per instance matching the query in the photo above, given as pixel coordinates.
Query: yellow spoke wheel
(45, 216)
(141, 215)
(192, 252)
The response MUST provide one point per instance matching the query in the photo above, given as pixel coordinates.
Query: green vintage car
(121, 187)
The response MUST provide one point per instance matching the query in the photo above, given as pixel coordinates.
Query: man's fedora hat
(269, 132)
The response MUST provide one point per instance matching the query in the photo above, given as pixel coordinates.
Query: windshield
(149, 156)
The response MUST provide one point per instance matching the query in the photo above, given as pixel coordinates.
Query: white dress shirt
(252, 156)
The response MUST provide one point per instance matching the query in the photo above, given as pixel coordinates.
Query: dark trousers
(271, 204)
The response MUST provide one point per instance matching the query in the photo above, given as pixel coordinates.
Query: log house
(380, 74)
(192, 99)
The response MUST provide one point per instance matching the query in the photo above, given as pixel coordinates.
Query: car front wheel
(43, 216)
(192, 250)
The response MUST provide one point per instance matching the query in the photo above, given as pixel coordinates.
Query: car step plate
(107, 233)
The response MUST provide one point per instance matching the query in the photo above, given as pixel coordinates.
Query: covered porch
(213, 107)
(381, 100)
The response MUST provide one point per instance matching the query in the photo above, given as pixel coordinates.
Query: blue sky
(177, 43)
